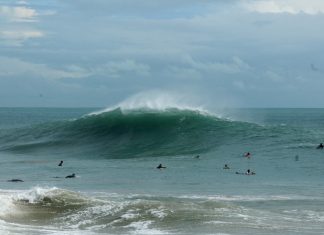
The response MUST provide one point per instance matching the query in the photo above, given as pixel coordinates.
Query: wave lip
(153, 101)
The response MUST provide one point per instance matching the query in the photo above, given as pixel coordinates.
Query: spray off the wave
(134, 128)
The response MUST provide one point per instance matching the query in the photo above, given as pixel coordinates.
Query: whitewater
(114, 153)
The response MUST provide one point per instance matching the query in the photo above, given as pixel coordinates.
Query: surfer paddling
(160, 166)
(226, 167)
(70, 176)
(248, 172)
(320, 146)
(15, 180)
(247, 155)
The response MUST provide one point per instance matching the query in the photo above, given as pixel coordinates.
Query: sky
(215, 53)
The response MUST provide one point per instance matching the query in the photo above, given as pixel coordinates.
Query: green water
(118, 189)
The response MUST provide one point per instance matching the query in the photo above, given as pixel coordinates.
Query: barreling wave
(139, 132)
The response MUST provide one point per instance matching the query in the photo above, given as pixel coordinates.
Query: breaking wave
(52, 208)
(133, 132)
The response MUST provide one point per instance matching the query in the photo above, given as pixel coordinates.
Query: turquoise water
(118, 190)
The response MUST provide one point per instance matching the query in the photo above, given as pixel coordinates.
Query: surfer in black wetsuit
(70, 176)
(226, 167)
(61, 163)
(15, 180)
(320, 146)
(160, 166)
(247, 155)
(249, 172)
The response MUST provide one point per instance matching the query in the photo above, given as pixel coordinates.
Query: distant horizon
(83, 107)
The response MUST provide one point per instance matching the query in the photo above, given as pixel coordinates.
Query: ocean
(118, 189)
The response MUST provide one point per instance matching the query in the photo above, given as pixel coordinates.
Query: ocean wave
(54, 208)
(134, 133)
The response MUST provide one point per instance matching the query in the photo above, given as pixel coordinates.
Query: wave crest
(154, 101)
(127, 134)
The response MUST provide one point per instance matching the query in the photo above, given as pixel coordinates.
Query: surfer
(226, 167)
(15, 180)
(249, 172)
(296, 158)
(248, 155)
(70, 176)
(160, 166)
(61, 163)
(320, 146)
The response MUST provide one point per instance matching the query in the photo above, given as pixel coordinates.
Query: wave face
(131, 133)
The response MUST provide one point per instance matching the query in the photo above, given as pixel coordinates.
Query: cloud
(22, 2)
(311, 7)
(12, 32)
(12, 67)
(18, 13)
(117, 69)
(235, 66)
(273, 76)
(145, 9)
(17, 23)
(16, 38)
(193, 69)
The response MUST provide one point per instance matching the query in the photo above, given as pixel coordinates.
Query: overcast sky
(81, 53)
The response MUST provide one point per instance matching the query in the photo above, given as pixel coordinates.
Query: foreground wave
(52, 208)
(132, 133)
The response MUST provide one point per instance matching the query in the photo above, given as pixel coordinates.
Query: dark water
(118, 189)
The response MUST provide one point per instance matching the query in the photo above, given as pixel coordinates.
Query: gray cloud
(12, 67)
(312, 7)
(113, 49)
(19, 23)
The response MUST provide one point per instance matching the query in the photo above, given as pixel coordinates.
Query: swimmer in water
(61, 163)
(249, 172)
(70, 176)
(160, 166)
(248, 155)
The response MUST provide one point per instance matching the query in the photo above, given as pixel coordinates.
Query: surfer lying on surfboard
(248, 172)
(160, 166)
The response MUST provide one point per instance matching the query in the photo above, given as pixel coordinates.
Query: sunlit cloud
(16, 38)
(18, 13)
(18, 23)
(311, 7)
